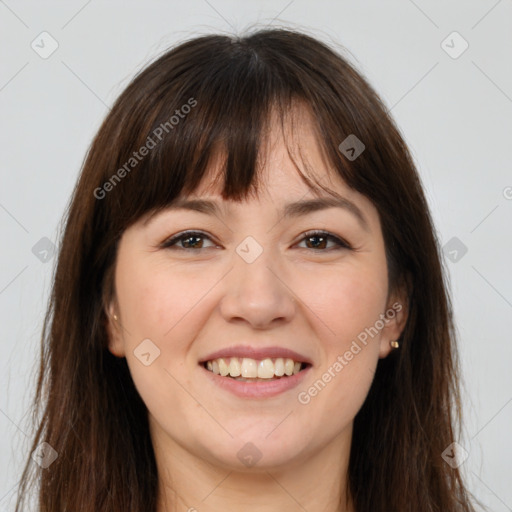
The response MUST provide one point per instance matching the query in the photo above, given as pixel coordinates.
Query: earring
(115, 317)
(394, 344)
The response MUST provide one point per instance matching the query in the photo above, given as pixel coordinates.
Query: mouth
(245, 369)
(252, 372)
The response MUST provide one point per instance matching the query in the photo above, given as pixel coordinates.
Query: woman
(249, 310)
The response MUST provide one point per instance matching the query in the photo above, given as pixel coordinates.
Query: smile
(253, 370)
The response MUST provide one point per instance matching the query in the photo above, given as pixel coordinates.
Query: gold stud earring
(115, 317)
(394, 344)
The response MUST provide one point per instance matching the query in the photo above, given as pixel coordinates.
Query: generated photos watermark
(151, 142)
(304, 397)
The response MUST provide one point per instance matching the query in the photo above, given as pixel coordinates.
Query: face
(256, 284)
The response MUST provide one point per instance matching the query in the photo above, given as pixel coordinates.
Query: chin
(256, 450)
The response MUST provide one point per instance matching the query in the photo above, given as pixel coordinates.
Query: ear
(395, 319)
(114, 330)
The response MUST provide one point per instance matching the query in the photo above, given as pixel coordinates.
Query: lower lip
(258, 389)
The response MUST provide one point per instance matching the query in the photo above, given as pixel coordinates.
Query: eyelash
(171, 242)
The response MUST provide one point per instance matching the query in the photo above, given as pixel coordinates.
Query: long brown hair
(218, 91)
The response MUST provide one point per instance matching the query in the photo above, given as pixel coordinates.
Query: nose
(257, 292)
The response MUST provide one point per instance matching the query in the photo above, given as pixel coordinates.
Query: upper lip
(257, 353)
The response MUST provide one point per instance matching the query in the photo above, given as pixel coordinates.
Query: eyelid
(173, 239)
(340, 242)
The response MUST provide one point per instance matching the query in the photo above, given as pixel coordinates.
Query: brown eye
(189, 240)
(317, 240)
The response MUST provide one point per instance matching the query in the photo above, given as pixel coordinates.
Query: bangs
(186, 121)
(231, 154)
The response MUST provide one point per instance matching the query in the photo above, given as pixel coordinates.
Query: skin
(192, 302)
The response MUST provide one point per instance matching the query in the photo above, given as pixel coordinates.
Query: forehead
(288, 149)
(283, 188)
(291, 167)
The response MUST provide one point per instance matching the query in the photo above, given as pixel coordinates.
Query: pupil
(319, 238)
(187, 245)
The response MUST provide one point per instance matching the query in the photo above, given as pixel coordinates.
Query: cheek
(161, 304)
(348, 301)
(158, 305)
(156, 300)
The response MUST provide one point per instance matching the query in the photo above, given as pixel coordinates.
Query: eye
(191, 239)
(319, 240)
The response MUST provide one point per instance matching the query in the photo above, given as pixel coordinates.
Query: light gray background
(455, 114)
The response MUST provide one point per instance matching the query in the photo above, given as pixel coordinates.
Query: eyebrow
(295, 209)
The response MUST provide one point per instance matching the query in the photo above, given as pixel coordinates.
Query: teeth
(235, 369)
(278, 367)
(223, 367)
(266, 369)
(288, 367)
(247, 368)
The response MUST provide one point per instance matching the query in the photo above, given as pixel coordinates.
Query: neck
(191, 484)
